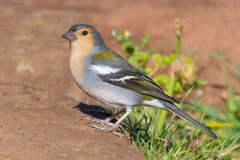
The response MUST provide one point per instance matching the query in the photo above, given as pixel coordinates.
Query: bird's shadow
(94, 111)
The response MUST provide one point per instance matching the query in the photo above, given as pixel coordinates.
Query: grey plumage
(106, 76)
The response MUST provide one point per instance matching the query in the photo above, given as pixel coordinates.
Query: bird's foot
(104, 128)
(109, 129)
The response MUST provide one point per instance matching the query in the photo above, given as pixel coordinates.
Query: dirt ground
(36, 124)
(33, 54)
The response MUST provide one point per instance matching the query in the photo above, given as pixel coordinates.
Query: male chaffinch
(106, 76)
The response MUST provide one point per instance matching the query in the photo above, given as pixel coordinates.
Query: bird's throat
(79, 53)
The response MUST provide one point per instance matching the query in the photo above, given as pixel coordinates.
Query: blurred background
(34, 54)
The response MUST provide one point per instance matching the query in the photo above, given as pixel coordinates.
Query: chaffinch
(106, 76)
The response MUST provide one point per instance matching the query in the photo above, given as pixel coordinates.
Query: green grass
(180, 140)
(160, 135)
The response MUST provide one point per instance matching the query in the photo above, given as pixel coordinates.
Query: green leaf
(214, 55)
(236, 71)
(133, 61)
(162, 79)
(143, 56)
(118, 36)
(164, 60)
(145, 41)
(231, 101)
(128, 46)
(189, 65)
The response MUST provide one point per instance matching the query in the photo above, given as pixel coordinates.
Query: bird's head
(84, 35)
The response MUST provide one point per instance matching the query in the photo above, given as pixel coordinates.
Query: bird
(106, 76)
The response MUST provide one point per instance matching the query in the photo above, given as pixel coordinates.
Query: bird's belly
(111, 94)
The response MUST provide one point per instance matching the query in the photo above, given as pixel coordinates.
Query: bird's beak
(69, 35)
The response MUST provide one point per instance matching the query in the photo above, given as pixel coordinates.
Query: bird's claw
(104, 128)
(108, 129)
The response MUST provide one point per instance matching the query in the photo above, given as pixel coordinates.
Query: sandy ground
(33, 54)
(36, 124)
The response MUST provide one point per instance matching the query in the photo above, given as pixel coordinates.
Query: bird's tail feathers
(174, 109)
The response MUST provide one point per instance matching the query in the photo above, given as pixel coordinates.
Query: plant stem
(178, 43)
(162, 114)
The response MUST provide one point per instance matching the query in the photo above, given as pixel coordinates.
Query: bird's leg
(114, 126)
(106, 120)
(129, 110)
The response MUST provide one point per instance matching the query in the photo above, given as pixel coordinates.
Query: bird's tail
(174, 109)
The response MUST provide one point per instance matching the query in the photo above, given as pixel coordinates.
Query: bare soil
(33, 54)
(36, 124)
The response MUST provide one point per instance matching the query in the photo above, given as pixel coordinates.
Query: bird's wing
(137, 82)
(126, 76)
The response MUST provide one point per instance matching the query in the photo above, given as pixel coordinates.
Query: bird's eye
(84, 33)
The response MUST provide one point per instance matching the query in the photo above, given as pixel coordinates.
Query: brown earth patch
(36, 124)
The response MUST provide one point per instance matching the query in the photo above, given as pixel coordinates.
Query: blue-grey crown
(98, 41)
